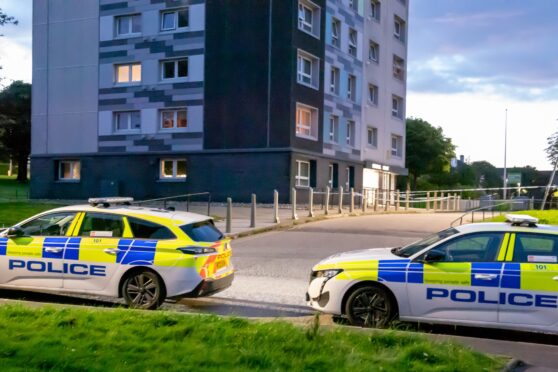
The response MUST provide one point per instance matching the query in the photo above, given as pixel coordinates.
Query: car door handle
(485, 276)
(112, 251)
(53, 250)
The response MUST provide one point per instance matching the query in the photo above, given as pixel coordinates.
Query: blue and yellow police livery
(114, 249)
(502, 275)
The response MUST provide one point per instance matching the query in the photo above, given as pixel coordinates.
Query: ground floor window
(302, 173)
(349, 178)
(173, 169)
(69, 170)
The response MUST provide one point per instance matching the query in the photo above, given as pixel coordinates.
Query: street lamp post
(505, 155)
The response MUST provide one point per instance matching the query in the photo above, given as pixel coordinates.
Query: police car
(112, 248)
(502, 275)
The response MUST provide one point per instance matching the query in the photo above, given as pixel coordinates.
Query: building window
(372, 135)
(334, 81)
(397, 107)
(349, 178)
(128, 73)
(374, 52)
(351, 133)
(306, 122)
(351, 87)
(174, 69)
(396, 146)
(308, 68)
(128, 25)
(69, 170)
(302, 173)
(174, 119)
(353, 40)
(375, 9)
(399, 29)
(373, 94)
(330, 178)
(127, 121)
(334, 129)
(175, 19)
(309, 17)
(335, 32)
(398, 68)
(173, 169)
(353, 4)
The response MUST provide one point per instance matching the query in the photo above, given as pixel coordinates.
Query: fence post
(276, 206)
(364, 200)
(352, 203)
(340, 199)
(459, 203)
(407, 199)
(376, 195)
(387, 200)
(310, 202)
(455, 202)
(253, 212)
(229, 216)
(294, 216)
(327, 201)
(397, 200)
(435, 201)
(427, 201)
(448, 205)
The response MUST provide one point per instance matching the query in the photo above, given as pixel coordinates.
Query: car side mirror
(15, 232)
(434, 256)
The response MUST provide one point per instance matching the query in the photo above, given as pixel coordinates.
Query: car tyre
(143, 290)
(370, 306)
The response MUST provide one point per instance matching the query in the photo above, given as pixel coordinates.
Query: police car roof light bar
(521, 219)
(107, 202)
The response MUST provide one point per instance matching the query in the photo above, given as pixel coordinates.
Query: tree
(15, 124)
(4, 20)
(428, 150)
(552, 155)
(487, 175)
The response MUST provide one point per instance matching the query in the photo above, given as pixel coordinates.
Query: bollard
(459, 203)
(435, 201)
(276, 206)
(397, 200)
(310, 202)
(352, 204)
(448, 202)
(364, 200)
(455, 202)
(376, 194)
(340, 199)
(294, 216)
(229, 216)
(407, 199)
(441, 206)
(386, 201)
(327, 200)
(427, 201)
(253, 212)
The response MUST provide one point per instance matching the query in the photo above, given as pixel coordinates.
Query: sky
(469, 61)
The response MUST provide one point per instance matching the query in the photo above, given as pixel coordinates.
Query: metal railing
(488, 208)
(185, 198)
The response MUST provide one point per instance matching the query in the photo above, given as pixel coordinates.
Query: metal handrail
(491, 207)
(186, 196)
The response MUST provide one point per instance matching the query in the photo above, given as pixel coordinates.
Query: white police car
(502, 275)
(114, 249)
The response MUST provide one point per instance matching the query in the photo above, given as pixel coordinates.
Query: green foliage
(6, 19)
(428, 150)
(552, 148)
(15, 124)
(487, 175)
(126, 340)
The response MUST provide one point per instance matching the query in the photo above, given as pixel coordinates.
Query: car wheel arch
(137, 269)
(368, 283)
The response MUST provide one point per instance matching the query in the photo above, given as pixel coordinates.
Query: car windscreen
(204, 231)
(416, 247)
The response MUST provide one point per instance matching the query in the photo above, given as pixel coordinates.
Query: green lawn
(549, 217)
(13, 212)
(79, 339)
(11, 189)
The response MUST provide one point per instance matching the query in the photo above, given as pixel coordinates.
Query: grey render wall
(151, 94)
(65, 76)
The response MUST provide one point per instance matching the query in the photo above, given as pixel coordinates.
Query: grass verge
(11, 189)
(547, 217)
(14, 212)
(98, 340)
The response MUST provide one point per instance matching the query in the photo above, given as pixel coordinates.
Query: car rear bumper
(209, 287)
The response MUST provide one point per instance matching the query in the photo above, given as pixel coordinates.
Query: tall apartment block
(150, 98)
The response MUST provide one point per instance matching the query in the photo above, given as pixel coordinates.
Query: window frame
(334, 129)
(130, 73)
(175, 112)
(176, 69)
(298, 177)
(352, 45)
(72, 170)
(397, 151)
(373, 93)
(303, 56)
(375, 10)
(532, 235)
(175, 176)
(456, 238)
(302, 108)
(351, 133)
(47, 215)
(334, 76)
(351, 87)
(398, 68)
(130, 32)
(374, 46)
(335, 36)
(400, 23)
(302, 22)
(374, 137)
(396, 112)
(116, 116)
(176, 25)
(112, 215)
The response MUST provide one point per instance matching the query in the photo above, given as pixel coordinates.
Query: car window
(149, 230)
(102, 225)
(202, 231)
(480, 247)
(54, 224)
(416, 247)
(535, 248)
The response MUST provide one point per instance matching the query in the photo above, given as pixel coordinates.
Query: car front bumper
(326, 295)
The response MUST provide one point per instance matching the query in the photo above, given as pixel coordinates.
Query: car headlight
(197, 250)
(325, 273)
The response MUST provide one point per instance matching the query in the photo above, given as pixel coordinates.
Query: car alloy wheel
(143, 290)
(370, 307)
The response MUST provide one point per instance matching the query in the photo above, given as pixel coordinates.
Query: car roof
(151, 214)
(506, 227)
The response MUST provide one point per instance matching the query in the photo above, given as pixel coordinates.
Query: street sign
(514, 178)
